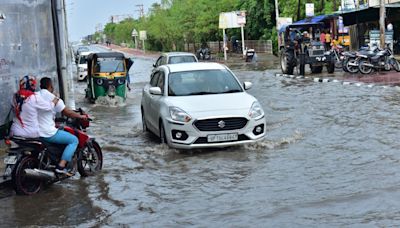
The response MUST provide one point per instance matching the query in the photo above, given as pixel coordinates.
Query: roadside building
(362, 19)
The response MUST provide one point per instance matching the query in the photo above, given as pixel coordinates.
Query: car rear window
(181, 59)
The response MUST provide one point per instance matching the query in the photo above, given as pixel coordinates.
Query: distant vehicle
(200, 105)
(107, 75)
(82, 65)
(300, 48)
(175, 57)
(79, 50)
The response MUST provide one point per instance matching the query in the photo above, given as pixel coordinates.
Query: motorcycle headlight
(256, 111)
(178, 114)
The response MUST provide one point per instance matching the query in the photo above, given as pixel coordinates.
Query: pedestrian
(49, 133)
(322, 38)
(129, 63)
(328, 40)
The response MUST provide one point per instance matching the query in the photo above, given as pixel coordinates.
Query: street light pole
(382, 12)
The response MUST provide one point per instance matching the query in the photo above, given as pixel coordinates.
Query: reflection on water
(330, 158)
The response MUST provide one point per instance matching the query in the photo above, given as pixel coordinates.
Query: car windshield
(202, 82)
(82, 49)
(181, 59)
(82, 60)
(104, 65)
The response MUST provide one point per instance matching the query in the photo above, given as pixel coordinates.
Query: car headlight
(256, 111)
(178, 114)
(327, 53)
(99, 81)
(81, 69)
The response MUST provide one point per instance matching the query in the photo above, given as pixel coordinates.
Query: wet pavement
(330, 159)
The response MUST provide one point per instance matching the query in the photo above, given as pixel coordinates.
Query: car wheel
(163, 138)
(144, 125)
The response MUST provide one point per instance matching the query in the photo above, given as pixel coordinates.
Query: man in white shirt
(48, 130)
(26, 104)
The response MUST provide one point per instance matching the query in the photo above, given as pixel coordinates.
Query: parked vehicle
(199, 105)
(337, 53)
(79, 50)
(31, 163)
(175, 57)
(82, 66)
(298, 50)
(107, 75)
(352, 59)
(381, 60)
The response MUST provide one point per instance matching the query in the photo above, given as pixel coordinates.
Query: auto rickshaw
(107, 75)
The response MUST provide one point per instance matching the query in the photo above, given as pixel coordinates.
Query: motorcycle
(337, 55)
(382, 60)
(30, 163)
(351, 60)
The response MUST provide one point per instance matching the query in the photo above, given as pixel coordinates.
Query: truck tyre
(330, 67)
(286, 60)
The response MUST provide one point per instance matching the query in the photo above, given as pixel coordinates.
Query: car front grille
(203, 140)
(319, 52)
(221, 124)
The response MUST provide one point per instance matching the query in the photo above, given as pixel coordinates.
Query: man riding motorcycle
(47, 127)
(26, 105)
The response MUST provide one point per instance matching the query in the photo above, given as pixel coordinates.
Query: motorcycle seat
(33, 143)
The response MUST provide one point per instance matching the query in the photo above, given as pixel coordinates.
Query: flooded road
(330, 159)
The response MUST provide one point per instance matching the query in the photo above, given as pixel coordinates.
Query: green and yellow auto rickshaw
(107, 75)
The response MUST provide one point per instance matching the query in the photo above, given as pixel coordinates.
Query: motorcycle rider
(26, 105)
(49, 133)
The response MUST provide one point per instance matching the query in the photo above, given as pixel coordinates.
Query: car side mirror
(247, 85)
(154, 65)
(155, 91)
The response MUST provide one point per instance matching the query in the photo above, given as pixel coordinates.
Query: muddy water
(330, 159)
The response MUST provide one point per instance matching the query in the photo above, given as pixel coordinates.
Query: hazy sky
(84, 15)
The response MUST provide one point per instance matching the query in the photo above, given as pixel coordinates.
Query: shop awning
(370, 14)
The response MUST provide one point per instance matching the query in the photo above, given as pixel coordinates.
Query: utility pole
(276, 13)
(140, 10)
(298, 10)
(382, 14)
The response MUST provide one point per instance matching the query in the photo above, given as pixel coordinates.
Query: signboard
(142, 35)
(356, 4)
(341, 27)
(374, 38)
(283, 21)
(235, 19)
(241, 17)
(309, 9)
(134, 33)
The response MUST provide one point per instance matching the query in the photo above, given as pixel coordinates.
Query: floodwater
(330, 159)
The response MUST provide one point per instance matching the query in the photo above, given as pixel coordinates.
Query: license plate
(222, 137)
(10, 160)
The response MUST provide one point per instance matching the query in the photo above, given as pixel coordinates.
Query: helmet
(28, 82)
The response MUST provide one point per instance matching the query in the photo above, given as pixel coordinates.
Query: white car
(174, 58)
(82, 65)
(200, 105)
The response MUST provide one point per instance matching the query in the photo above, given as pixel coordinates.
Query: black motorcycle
(381, 60)
(351, 60)
(31, 163)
